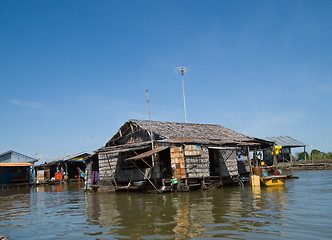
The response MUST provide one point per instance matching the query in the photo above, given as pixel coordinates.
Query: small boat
(139, 184)
(276, 180)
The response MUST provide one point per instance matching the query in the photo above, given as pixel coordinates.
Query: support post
(291, 156)
(305, 155)
(152, 140)
(248, 157)
(275, 160)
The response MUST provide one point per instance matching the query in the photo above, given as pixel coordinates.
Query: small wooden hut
(187, 155)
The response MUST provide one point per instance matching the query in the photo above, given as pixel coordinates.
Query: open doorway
(214, 162)
(165, 163)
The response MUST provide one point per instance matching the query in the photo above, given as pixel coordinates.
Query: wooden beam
(143, 160)
(144, 175)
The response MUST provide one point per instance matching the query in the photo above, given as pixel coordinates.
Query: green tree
(328, 155)
(302, 155)
(317, 155)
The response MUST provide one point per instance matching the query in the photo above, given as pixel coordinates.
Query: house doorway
(165, 163)
(214, 162)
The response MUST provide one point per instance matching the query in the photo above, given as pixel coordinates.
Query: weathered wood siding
(197, 161)
(228, 163)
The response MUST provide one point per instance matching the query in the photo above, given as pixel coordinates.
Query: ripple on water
(300, 211)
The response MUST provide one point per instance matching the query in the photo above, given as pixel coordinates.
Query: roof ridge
(155, 121)
(12, 151)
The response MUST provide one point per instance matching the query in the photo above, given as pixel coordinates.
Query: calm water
(302, 210)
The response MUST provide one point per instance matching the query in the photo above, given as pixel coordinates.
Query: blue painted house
(16, 168)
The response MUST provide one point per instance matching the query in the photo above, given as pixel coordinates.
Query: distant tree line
(314, 155)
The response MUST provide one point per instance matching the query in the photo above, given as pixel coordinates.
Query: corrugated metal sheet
(147, 154)
(286, 141)
(78, 157)
(30, 159)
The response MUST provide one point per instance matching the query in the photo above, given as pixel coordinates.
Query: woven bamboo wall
(243, 167)
(190, 161)
(107, 165)
(228, 163)
(197, 161)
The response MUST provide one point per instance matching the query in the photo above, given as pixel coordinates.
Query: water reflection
(68, 212)
(191, 214)
(225, 213)
(229, 212)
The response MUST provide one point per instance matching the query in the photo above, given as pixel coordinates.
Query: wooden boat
(276, 180)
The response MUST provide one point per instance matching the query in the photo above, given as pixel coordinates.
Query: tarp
(147, 154)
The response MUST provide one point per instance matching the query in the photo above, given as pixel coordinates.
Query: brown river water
(301, 210)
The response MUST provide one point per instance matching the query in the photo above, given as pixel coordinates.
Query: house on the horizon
(193, 154)
(16, 168)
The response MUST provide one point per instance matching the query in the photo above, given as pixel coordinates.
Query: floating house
(287, 143)
(159, 154)
(16, 168)
(65, 168)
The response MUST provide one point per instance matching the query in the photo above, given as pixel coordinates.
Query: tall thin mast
(152, 140)
(183, 70)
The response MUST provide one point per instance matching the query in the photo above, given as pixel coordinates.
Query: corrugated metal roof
(78, 157)
(286, 141)
(20, 154)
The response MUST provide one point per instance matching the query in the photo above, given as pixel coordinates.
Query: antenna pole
(184, 95)
(151, 136)
(147, 96)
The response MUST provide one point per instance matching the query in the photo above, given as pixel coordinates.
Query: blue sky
(72, 72)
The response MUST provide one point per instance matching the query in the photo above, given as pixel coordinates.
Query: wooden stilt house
(188, 155)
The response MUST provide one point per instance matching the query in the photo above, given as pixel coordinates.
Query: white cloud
(25, 104)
